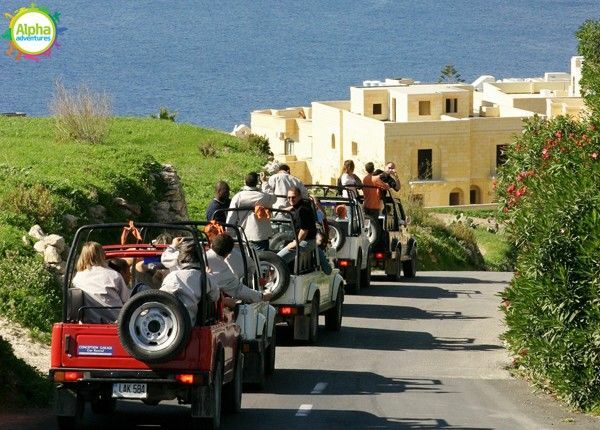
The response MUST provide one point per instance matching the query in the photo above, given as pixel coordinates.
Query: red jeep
(151, 353)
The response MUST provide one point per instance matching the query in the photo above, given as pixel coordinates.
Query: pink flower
(594, 155)
(511, 188)
(558, 134)
(521, 191)
(545, 153)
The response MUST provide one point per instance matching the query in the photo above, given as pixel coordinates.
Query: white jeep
(301, 290)
(256, 320)
(348, 234)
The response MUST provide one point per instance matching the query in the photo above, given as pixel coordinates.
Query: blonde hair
(348, 166)
(91, 255)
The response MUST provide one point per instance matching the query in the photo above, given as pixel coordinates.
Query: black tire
(375, 231)
(409, 267)
(270, 354)
(333, 317)
(365, 274)
(277, 273)
(337, 235)
(355, 286)
(397, 275)
(103, 404)
(279, 240)
(232, 392)
(313, 330)
(154, 326)
(214, 422)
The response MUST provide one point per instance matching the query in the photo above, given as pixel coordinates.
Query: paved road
(420, 354)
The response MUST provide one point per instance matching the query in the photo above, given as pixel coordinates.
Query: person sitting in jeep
(221, 274)
(104, 288)
(185, 283)
(304, 219)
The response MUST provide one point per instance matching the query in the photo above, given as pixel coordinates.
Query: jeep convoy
(155, 349)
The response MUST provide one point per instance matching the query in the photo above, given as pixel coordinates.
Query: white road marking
(304, 410)
(319, 388)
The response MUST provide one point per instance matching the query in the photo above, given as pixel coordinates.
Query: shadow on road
(442, 280)
(415, 292)
(396, 340)
(339, 382)
(401, 313)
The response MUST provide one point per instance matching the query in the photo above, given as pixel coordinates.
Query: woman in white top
(348, 178)
(103, 287)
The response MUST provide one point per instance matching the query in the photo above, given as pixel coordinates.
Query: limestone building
(447, 140)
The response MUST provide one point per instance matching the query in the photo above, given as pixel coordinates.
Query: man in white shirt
(224, 276)
(186, 282)
(280, 183)
(258, 230)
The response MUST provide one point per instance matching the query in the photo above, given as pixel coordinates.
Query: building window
(501, 155)
(289, 146)
(451, 105)
(376, 108)
(424, 107)
(354, 148)
(333, 141)
(425, 164)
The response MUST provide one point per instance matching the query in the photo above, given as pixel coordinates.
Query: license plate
(126, 390)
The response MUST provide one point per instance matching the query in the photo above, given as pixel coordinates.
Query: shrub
(34, 204)
(29, 293)
(207, 149)
(80, 115)
(259, 145)
(163, 113)
(549, 189)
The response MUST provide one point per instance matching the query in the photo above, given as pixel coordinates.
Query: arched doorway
(455, 197)
(475, 195)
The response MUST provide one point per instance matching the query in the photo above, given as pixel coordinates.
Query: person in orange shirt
(372, 198)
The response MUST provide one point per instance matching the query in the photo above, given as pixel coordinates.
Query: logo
(32, 33)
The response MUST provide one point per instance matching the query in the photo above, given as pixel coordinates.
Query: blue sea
(213, 62)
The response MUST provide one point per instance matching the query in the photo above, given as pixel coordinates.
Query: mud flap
(301, 327)
(65, 402)
(202, 402)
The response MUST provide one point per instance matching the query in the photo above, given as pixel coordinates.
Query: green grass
(495, 249)
(468, 212)
(30, 153)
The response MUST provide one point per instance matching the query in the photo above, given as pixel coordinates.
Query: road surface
(420, 354)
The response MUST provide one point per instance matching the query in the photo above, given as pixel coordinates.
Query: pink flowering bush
(550, 192)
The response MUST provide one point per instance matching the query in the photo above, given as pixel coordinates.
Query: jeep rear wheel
(154, 326)
(274, 270)
(409, 267)
(365, 274)
(313, 326)
(354, 287)
(214, 422)
(333, 317)
(232, 393)
(270, 354)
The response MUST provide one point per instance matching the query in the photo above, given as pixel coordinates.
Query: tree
(449, 75)
(589, 47)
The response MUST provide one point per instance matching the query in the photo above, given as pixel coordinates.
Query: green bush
(20, 384)
(165, 114)
(29, 293)
(551, 196)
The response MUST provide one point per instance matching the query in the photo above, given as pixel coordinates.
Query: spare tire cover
(276, 273)
(154, 326)
(337, 234)
(375, 230)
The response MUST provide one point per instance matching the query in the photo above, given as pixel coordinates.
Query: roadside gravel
(34, 353)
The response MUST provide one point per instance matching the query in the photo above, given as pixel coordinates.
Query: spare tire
(375, 231)
(154, 326)
(337, 235)
(276, 273)
(279, 240)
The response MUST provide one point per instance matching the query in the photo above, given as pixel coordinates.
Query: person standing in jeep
(280, 183)
(392, 176)
(372, 196)
(258, 229)
(304, 219)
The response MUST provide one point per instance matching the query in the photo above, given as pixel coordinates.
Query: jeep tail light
(188, 378)
(67, 376)
(343, 263)
(379, 256)
(287, 310)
